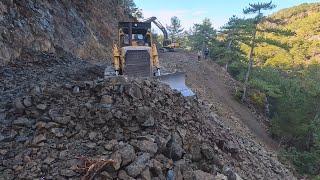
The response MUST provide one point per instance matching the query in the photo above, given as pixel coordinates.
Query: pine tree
(131, 8)
(232, 31)
(175, 29)
(202, 35)
(254, 9)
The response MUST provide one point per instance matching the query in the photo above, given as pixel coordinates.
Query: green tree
(175, 29)
(131, 8)
(202, 35)
(254, 9)
(231, 31)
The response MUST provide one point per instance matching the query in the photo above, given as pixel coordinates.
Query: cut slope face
(146, 129)
(84, 28)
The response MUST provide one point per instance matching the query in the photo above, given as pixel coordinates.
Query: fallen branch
(91, 167)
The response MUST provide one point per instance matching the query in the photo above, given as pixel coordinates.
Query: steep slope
(215, 86)
(304, 46)
(84, 28)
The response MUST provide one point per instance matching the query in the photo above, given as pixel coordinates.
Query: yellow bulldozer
(135, 55)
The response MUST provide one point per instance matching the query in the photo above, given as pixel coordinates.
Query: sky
(194, 11)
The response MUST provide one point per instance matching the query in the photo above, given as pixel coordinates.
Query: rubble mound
(123, 128)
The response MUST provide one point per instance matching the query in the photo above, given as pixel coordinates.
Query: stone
(39, 138)
(174, 148)
(41, 125)
(109, 146)
(27, 101)
(177, 174)
(4, 138)
(17, 168)
(200, 175)
(135, 168)
(91, 145)
(42, 106)
(2, 116)
(88, 105)
(195, 151)
(148, 146)
(134, 128)
(92, 135)
(3, 152)
(21, 121)
(135, 91)
(105, 176)
(156, 167)
(228, 170)
(233, 176)
(188, 175)
(36, 90)
(64, 120)
(149, 122)
(48, 160)
(67, 173)
(63, 154)
(76, 89)
(122, 175)
(18, 104)
(231, 147)
(181, 165)
(58, 132)
(161, 142)
(116, 156)
(208, 152)
(146, 175)
(106, 99)
(127, 154)
(221, 177)
(182, 132)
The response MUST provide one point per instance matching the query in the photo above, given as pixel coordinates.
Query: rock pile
(123, 128)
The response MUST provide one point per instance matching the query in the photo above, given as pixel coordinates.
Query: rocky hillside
(84, 28)
(59, 122)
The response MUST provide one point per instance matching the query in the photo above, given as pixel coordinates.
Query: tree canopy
(202, 35)
(175, 29)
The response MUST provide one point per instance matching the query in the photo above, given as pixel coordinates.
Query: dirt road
(212, 84)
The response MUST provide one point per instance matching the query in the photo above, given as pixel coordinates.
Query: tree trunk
(246, 81)
(229, 51)
(229, 44)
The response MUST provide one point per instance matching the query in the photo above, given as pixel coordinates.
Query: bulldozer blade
(176, 81)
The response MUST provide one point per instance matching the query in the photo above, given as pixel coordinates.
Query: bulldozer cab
(135, 34)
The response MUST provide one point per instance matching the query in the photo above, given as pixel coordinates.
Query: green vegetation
(287, 71)
(131, 8)
(283, 53)
(175, 29)
(202, 35)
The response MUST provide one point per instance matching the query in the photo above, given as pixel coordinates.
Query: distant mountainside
(304, 46)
